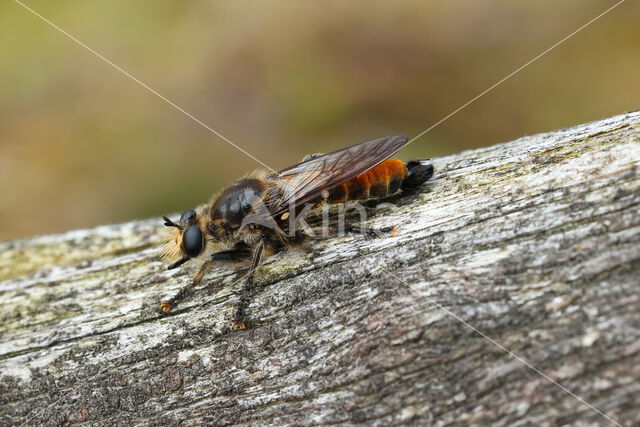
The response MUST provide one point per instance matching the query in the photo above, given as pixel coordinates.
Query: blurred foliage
(81, 144)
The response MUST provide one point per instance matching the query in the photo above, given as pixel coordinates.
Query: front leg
(238, 322)
(234, 255)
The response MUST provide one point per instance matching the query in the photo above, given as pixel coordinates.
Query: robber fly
(254, 214)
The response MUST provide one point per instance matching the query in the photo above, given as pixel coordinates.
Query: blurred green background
(82, 145)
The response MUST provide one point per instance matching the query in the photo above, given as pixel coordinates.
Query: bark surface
(534, 243)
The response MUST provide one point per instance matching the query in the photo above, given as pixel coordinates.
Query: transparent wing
(304, 181)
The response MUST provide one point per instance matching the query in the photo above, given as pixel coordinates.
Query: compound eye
(192, 241)
(188, 217)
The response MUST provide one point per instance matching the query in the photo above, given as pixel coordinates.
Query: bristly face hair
(172, 248)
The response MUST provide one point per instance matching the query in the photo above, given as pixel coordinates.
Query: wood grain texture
(536, 243)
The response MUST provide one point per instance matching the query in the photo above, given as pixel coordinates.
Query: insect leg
(178, 263)
(371, 231)
(319, 232)
(238, 322)
(233, 255)
(311, 157)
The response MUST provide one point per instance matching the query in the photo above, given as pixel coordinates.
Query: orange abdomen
(380, 181)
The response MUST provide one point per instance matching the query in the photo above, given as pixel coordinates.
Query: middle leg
(245, 296)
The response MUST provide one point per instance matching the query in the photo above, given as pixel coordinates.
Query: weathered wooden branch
(536, 243)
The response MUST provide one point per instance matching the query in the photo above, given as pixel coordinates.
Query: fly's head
(187, 239)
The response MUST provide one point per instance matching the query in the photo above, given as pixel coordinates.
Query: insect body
(256, 213)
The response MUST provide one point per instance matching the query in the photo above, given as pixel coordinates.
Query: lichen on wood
(535, 243)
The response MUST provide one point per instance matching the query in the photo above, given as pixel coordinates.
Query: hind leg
(371, 231)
